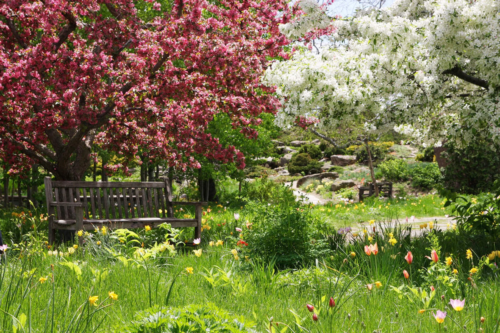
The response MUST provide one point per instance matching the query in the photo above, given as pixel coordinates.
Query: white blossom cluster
(432, 66)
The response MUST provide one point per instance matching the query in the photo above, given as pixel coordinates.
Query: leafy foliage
(425, 175)
(195, 318)
(303, 163)
(281, 234)
(395, 170)
(311, 149)
(471, 169)
(378, 153)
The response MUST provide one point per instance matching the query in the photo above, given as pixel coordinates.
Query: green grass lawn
(143, 284)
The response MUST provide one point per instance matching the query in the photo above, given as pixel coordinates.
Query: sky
(348, 7)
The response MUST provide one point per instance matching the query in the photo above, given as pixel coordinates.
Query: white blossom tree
(430, 68)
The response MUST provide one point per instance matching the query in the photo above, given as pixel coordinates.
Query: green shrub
(378, 153)
(348, 193)
(312, 150)
(281, 234)
(258, 171)
(394, 170)
(265, 190)
(195, 318)
(426, 155)
(472, 169)
(303, 163)
(330, 150)
(425, 175)
(336, 168)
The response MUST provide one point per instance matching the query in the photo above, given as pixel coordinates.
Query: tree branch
(30, 153)
(113, 10)
(324, 137)
(13, 29)
(66, 31)
(458, 72)
(55, 139)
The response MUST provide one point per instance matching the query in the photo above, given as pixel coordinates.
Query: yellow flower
(113, 296)
(103, 230)
(355, 234)
(455, 271)
(391, 235)
(80, 233)
(474, 270)
(474, 200)
(211, 243)
(353, 254)
(42, 279)
(147, 228)
(469, 254)
(431, 225)
(378, 284)
(492, 255)
(449, 261)
(219, 243)
(75, 247)
(421, 311)
(236, 258)
(71, 250)
(189, 270)
(98, 243)
(234, 252)
(93, 300)
(393, 241)
(370, 238)
(365, 231)
(198, 252)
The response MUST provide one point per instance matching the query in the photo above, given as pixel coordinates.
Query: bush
(394, 170)
(336, 168)
(303, 163)
(330, 150)
(378, 153)
(312, 150)
(281, 234)
(348, 193)
(427, 155)
(258, 171)
(192, 318)
(425, 175)
(265, 190)
(472, 169)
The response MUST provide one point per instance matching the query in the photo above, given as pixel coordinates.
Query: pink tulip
(310, 307)
(315, 317)
(409, 257)
(332, 302)
(368, 251)
(434, 256)
(406, 275)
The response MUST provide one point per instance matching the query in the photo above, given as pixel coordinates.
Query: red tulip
(368, 250)
(315, 317)
(434, 256)
(332, 302)
(310, 307)
(432, 288)
(409, 258)
(405, 273)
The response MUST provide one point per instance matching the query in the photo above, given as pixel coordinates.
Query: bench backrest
(111, 200)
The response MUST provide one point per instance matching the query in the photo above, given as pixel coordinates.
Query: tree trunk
(370, 164)
(144, 166)
(35, 174)
(6, 189)
(206, 188)
(171, 178)
(151, 172)
(19, 194)
(94, 171)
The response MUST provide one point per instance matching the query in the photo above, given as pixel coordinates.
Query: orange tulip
(374, 249)
(406, 275)
(368, 250)
(409, 258)
(434, 256)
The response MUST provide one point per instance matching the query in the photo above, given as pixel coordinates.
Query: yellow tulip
(42, 280)
(449, 261)
(198, 252)
(93, 300)
(113, 296)
(378, 284)
(80, 233)
(474, 270)
(189, 270)
(469, 254)
(147, 228)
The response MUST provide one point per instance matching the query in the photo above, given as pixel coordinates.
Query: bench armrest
(66, 204)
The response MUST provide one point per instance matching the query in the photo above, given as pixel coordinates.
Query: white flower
(197, 241)
(236, 216)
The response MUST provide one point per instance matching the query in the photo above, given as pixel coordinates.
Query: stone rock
(343, 160)
(278, 143)
(282, 171)
(316, 142)
(289, 150)
(340, 184)
(298, 143)
(326, 166)
(285, 159)
(317, 176)
(267, 159)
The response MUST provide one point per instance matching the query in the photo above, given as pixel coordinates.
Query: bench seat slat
(128, 223)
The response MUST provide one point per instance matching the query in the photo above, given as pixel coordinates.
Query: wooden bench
(384, 188)
(80, 205)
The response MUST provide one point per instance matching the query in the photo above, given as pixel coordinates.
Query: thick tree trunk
(151, 172)
(144, 167)
(370, 164)
(206, 187)
(6, 189)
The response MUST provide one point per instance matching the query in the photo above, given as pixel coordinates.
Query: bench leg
(79, 222)
(198, 214)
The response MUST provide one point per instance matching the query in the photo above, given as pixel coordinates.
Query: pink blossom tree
(127, 74)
